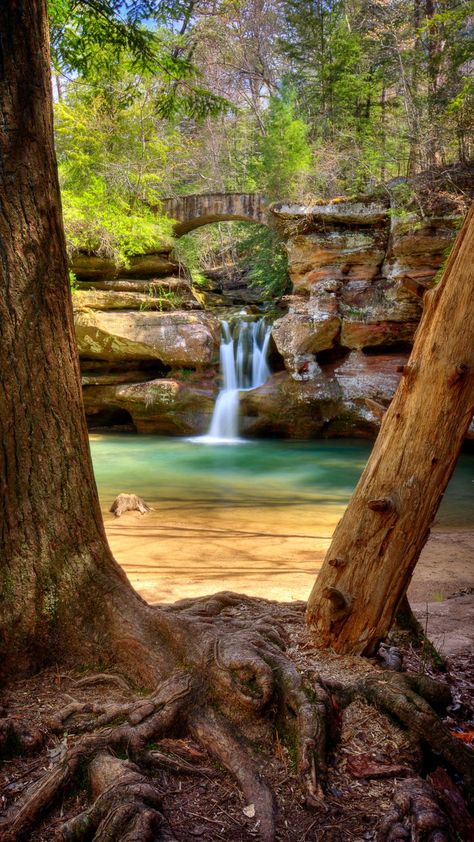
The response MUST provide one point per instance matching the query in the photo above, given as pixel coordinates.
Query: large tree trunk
(54, 555)
(377, 543)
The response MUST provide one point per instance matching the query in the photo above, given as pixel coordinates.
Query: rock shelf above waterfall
(178, 338)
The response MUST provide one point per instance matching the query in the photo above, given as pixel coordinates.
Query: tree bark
(55, 561)
(377, 543)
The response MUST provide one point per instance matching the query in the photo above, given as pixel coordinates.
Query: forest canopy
(291, 98)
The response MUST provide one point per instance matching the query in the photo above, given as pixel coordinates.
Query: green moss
(310, 694)
(289, 739)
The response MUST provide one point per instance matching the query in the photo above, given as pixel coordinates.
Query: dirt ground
(275, 553)
(371, 760)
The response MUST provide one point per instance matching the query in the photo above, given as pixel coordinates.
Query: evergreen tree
(283, 152)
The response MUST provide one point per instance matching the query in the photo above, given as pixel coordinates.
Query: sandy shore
(274, 552)
(187, 550)
(191, 550)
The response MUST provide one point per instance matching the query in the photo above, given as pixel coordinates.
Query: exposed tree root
(18, 737)
(232, 682)
(415, 815)
(213, 734)
(127, 806)
(411, 699)
(103, 678)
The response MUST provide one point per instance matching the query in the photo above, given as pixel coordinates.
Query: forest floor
(372, 756)
(367, 763)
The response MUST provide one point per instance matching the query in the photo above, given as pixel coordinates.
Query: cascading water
(244, 366)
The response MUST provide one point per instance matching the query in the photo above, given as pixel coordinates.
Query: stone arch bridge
(200, 209)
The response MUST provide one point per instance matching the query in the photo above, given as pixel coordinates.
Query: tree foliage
(283, 154)
(291, 98)
(262, 256)
(114, 154)
(385, 86)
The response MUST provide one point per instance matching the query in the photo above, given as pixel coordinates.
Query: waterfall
(243, 366)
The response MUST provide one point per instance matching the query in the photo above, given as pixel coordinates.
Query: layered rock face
(163, 406)
(348, 291)
(149, 354)
(177, 339)
(359, 270)
(93, 267)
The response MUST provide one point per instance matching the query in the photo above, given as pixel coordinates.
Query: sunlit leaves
(90, 38)
(284, 152)
(190, 100)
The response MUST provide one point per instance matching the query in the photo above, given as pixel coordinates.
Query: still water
(264, 474)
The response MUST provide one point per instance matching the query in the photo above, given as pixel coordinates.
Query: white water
(244, 366)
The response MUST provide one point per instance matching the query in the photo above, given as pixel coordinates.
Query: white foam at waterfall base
(244, 366)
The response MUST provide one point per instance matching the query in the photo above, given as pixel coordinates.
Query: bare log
(389, 516)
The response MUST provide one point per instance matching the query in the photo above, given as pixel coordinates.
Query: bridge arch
(200, 209)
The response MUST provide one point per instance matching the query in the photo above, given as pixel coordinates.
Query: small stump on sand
(129, 503)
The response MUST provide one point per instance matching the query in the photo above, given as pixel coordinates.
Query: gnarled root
(18, 737)
(411, 699)
(217, 738)
(415, 815)
(127, 806)
(235, 683)
(147, 719)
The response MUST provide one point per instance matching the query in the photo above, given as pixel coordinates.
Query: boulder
(367, 383)
(146, 265)
(310, 327)
(290, 408)
(164, 406)
(374, 376)
(176, 339)
(92, 266)
(345, 398)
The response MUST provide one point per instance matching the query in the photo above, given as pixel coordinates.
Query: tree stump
(129, 503)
